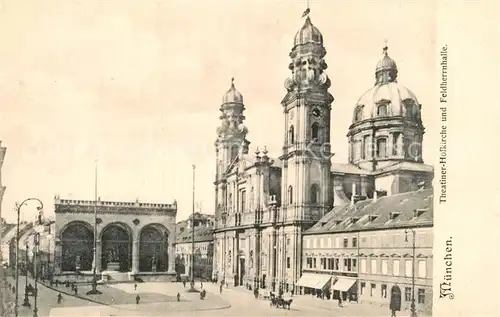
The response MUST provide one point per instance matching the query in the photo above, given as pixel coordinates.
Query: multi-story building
(364, 251)
(202, 248)
(264, 205)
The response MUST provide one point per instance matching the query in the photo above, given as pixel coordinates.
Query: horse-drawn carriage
(280, 301)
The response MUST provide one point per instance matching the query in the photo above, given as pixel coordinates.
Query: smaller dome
(386, 63)
(232, 95)
(308, 34)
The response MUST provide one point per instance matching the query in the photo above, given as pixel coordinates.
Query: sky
(136, 86)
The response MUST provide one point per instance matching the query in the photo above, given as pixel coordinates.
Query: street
(159, 299)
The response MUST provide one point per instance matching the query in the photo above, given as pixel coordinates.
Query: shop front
(315, 284)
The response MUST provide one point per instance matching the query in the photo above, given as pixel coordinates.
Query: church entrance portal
(116, 248)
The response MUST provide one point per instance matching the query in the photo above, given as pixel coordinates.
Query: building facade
(364, 251)
(137, 238)
(264, 206)
(203, 250)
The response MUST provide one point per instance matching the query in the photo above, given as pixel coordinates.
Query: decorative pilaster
(171, 258)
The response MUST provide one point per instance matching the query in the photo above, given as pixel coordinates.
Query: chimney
(353, 193)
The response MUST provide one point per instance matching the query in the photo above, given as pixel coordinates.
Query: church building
(265, 205)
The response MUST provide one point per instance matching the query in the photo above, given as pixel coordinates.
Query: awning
(343, 284)
(323, 281)
(316, 281)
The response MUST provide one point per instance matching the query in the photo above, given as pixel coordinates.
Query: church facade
(133, 238)
(265, 205)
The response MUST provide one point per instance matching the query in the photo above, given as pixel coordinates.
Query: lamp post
(412, 307)
(26, 299)
(192, 232)
(36, 240)
(49, 270)
(94, 290)
(18, 208)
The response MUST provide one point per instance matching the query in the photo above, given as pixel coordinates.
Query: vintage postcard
(246, 158)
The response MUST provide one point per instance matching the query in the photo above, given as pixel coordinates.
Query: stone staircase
(116, 277)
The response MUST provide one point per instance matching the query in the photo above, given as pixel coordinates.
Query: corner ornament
(136, 221)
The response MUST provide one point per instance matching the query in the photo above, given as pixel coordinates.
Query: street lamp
(94, 290)
(26, 299)
(412, 307)
(18, 208)
(36, 240)
(192, 233)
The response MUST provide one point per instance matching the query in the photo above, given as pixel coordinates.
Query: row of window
(383, 292)
(377, 266)
(382, 111)
(314, 133)
(371, 241)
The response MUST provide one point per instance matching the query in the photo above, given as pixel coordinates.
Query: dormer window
(382, 110)
(394, 215)
(358, 115)
(418, 212)
(337, 222)
(354, 220)
(372, 218)
(408, 107)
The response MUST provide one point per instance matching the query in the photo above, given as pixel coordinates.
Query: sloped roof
(370, 215)
(11, 234)
(201, 234)
(348, 169)
(407, 166)
(5, 228)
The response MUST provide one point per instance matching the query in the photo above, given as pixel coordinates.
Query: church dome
(232, 95)
(308, 34)
(387, 98)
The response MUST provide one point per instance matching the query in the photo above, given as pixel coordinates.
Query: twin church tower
(263, 204)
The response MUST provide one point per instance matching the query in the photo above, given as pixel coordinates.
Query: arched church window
(234, 151)
(290, 195)
(366, 152)
(291, 135)
(252, 198)
(358, 115)
(315, 194)
(382, 147)
(382, 111)
(315, 131)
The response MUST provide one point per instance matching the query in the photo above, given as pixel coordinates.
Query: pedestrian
(201, 284)
(59, 298)
(340, 300)
(135, 287)
(220, 290)
(178, 297)
(184, 283)
(76, 290)
(137, 299)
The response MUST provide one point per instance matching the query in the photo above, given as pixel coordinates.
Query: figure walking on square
(137, 299)
(59, 298)
(135, 287)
